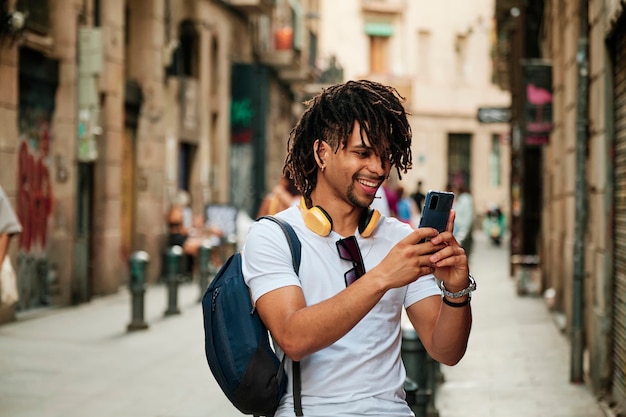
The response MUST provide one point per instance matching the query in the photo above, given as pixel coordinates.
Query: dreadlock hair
(330, 117)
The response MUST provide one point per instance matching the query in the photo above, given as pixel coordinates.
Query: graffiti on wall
(34, 201)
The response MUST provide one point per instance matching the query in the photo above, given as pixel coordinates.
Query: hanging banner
(538, 97)
(248, 126)
(242, 111)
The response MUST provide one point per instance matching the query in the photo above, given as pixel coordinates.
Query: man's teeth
(368, 183)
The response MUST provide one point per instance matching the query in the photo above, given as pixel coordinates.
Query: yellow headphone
(320, 222)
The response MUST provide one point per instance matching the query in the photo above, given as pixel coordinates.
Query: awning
(379, 29)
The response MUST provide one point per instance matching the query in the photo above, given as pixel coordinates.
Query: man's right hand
(409, 259)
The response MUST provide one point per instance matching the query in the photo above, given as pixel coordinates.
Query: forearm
(451, 332)
(309, 329)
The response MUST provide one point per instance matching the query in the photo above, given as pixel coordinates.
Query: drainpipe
(582, 123)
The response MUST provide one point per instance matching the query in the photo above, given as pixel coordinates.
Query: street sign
(494, 114)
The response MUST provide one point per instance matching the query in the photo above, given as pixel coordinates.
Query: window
(423, 53)
(379, 34)
(460, 49)
(459, 159)
(185, 56)
(378, 54)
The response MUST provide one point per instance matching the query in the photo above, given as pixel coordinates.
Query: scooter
(493, 225)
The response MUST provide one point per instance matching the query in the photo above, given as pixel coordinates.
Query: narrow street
(80, 361)
(517, 362)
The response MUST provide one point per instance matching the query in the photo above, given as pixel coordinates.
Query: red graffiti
(34, 202)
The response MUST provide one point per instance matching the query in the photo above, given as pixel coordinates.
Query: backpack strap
(296, 248)
(297, 388)
(292, 238)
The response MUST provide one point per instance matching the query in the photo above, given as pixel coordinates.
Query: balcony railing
(285, 41)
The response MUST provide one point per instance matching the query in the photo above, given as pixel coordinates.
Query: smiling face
(329, 118)
(352, 173)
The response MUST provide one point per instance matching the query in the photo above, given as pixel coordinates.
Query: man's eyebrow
(362, 146)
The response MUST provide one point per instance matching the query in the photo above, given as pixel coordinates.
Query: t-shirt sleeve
(266, 260)
(422, 288)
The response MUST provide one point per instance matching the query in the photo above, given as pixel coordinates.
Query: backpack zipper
(215, 294)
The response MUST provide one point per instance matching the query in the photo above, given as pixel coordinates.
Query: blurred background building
(110, 108)
(442, 62)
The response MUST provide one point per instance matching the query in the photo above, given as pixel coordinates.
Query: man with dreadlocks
(340, 318)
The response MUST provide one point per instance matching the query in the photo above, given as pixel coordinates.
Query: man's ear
(319, 148)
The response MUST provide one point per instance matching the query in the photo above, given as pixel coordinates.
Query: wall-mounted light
(12, 24)
(16, 21)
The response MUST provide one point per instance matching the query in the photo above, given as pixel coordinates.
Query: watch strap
(471, 287)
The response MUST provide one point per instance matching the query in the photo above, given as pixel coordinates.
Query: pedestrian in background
(9, 227)
(179, 219)
(418, 197)
(340, 315)
(283, 195)
(392, 197)
(407, 211)
(186, 230)
(464, 220)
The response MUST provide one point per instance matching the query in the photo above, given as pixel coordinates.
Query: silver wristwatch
(471, 287)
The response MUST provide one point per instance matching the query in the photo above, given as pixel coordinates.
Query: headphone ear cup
(318, 221)
(368, 222)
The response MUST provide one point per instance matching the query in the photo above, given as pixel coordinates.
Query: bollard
(173, 257)
(414, 358)
(137, 263)
(433, 377)
(410, 387)
(204, 266)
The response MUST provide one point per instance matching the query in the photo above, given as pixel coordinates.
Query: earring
(323, 167)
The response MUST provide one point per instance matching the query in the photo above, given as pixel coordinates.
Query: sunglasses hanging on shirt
(348, 249)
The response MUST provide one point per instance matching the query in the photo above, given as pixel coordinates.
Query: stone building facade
(108, 109)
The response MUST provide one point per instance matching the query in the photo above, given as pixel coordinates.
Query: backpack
(237, 343)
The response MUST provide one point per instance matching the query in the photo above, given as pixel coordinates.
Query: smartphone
(436, 211)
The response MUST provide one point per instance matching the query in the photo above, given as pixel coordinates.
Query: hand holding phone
(436, 210)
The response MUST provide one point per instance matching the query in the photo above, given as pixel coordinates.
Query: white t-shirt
(361, 373)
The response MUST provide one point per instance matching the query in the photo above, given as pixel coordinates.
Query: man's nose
(378, 165)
